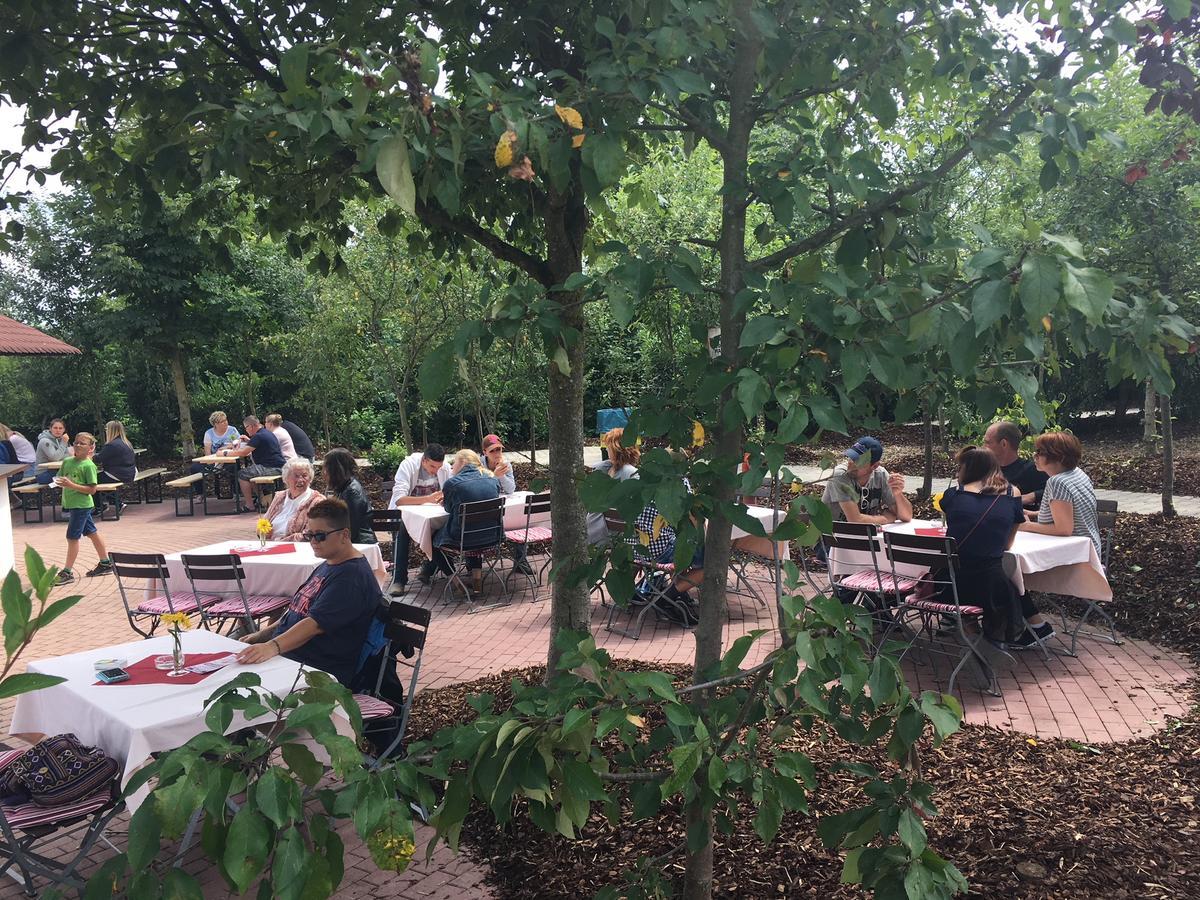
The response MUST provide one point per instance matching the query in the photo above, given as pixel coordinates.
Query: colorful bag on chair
(57, 771)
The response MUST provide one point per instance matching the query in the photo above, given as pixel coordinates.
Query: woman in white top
(274, 423)
(288, 512)
(621, 465)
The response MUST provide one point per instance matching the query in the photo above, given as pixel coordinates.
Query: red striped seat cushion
(260, 605)
(157, 606)
(533, 535)
(934, 606)
(867, 580)
(655, 566)
(373, 707)
(29, 815)
(8, 756)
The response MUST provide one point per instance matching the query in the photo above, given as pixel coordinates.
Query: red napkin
(270, 551)
(143, 671)
(930, 532)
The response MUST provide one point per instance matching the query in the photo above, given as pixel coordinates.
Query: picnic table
(278, 572)
(133, 720)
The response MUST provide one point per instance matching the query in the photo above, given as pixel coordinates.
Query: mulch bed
(1018, 817)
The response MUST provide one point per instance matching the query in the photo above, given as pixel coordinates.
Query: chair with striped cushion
(405, 629)
(937, 617)
(148, 603)
(225, 600)
(854, 571)
(534, 538)
(26, 825)
(651, 580)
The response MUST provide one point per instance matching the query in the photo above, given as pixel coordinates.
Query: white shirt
(279, 523)
(286, 447)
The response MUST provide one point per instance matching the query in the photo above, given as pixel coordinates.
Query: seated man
(1004, 440)
(265, 457)
(300, 440)
(418, 479)
(326, 624)
(861, 490)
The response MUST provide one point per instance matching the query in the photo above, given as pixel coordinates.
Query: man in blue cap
(861, 490)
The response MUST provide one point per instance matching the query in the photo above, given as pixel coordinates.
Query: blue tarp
(608, 419)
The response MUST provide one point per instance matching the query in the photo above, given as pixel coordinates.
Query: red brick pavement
(1107, 694)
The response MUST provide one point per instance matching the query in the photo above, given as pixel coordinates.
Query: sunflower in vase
(263, 529)
(176, 624)
(937, 505)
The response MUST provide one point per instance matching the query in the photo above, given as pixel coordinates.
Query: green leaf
(293, 68)
(1069, 245)
(562, 361)
(394, 170)
(277, 797)
(246, 847)
(684, 761)
(290, 865)
(1049, 175)
(752, 392)
(26, 682)
(56, 609)
(646, 801)
(912, 832)
(986, 257)
(991, 301)
(1039, 285)
(761, 330)
(943, 710)
(301, 761)
(144, 832)
(435, 375)
(1087, 290)
(768, 816)
(179, 885)
(606, 157)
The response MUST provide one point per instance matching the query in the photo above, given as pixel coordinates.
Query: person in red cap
(493, 454)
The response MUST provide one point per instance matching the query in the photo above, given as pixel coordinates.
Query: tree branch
(536, 268)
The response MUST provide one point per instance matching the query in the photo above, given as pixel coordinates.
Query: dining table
(422, 520)
(151, 713)
(276, 570)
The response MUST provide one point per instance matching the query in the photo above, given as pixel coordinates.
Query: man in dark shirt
(326, 624)
(1004, 440)
(265, 457)
(300, 440)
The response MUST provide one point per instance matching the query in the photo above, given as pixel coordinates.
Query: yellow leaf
(1047, 323)
(795, 487)
(659, 524)
(643, 539)
(697, 434)
(784, 174)
(1031, 742)
(577, 141)
(937, 500)
(569, 116)
(635, 720)
(504, 149)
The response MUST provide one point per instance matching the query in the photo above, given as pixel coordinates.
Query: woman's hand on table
(435, 497)
(257, 653)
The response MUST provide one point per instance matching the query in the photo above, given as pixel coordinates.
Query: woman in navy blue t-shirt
(982, 515)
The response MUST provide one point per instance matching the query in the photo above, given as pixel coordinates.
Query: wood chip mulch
(1020, 818)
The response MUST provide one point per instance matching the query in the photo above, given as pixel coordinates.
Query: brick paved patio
(1107, 694)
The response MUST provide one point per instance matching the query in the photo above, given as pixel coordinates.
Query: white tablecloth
(766, 515)
(276, 575)
(1035, 562)
(421, 520)
(130, 722)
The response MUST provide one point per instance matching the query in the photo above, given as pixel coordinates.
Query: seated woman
(53, 445)
(221, 434)
(341, 474)
(1068, 503)
(655, 538)
(982, 515)
(116, 460)
(622, 465)
(288, 512)
(468, 482)
(23, 451)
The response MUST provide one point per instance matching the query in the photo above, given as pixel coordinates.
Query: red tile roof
(22, 340)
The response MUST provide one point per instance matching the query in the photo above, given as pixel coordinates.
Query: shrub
(386, 457)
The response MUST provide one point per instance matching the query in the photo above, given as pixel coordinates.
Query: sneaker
(66, 576)
(425, 576)
(398, 589)
(102, 568)
(1034, 634)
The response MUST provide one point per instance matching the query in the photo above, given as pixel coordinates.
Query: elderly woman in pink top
(288, 512)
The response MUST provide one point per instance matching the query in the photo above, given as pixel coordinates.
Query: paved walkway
(1107, 694)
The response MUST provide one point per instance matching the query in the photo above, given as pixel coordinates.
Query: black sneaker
(102, 568)
(425, 576)
(1034, 634)
(398, 589)
(66, 576)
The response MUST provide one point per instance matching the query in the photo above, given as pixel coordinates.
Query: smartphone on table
(112, 676)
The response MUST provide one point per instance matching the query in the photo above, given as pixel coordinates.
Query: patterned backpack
(57, 771)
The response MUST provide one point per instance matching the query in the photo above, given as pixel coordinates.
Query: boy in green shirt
(78, 479)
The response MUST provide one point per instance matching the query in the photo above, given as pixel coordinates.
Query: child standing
(78, 478)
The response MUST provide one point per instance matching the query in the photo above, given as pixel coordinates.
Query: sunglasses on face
(318, 537)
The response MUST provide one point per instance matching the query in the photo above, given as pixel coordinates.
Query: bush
(386, 457)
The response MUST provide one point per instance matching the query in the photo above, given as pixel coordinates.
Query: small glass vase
(177, 657)
(262, 542)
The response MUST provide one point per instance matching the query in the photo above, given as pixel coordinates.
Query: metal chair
(24, 826)
(224, 604)
(740, 560)
(151, 567)
(480, 537)
(406, 628)
(532, 538)
(389, 521)
(866, 583)
(929, 615)
(650, 584)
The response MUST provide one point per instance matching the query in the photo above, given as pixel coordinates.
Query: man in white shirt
(419, 479)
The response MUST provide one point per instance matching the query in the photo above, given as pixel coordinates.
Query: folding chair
(480, 536)
(23, 826)
(406, 628)
(389, 521)
(228, 604)
(861, 578)
(151, 567)
(1106, 518)
(650, 584)
(740, 560)
(532, 538)
(930, 616)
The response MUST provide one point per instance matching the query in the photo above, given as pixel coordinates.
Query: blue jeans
(80, 524)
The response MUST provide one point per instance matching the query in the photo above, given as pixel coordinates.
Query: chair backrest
(481, 518)
(389, 520)
(139, 566)
(536, 505)
(213, 567)
(1106, 520)
(406, 626)
(938, 555)
(860, 536)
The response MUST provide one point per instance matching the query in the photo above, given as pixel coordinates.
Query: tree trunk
(927, 485)
(1124, 395)
(250, 404)
(1168, 457)
(533, 441)
(566, 221)
(1149, 432)
(729, 435)
(184, 399)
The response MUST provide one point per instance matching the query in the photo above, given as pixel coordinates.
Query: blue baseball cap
(864, 445)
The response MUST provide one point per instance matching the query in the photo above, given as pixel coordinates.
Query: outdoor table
(422, 519)
(762, 546)
(1036, 562)
(272, 575)
(130, 722)
(215, 460)
(53, 466)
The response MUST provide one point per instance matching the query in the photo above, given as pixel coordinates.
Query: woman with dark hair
(982, 515)
(341, 474)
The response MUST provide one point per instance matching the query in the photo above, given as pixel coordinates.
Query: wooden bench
(184, 486)
(111, 487)
(32, 501)
(143, 480)
(264, 484)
